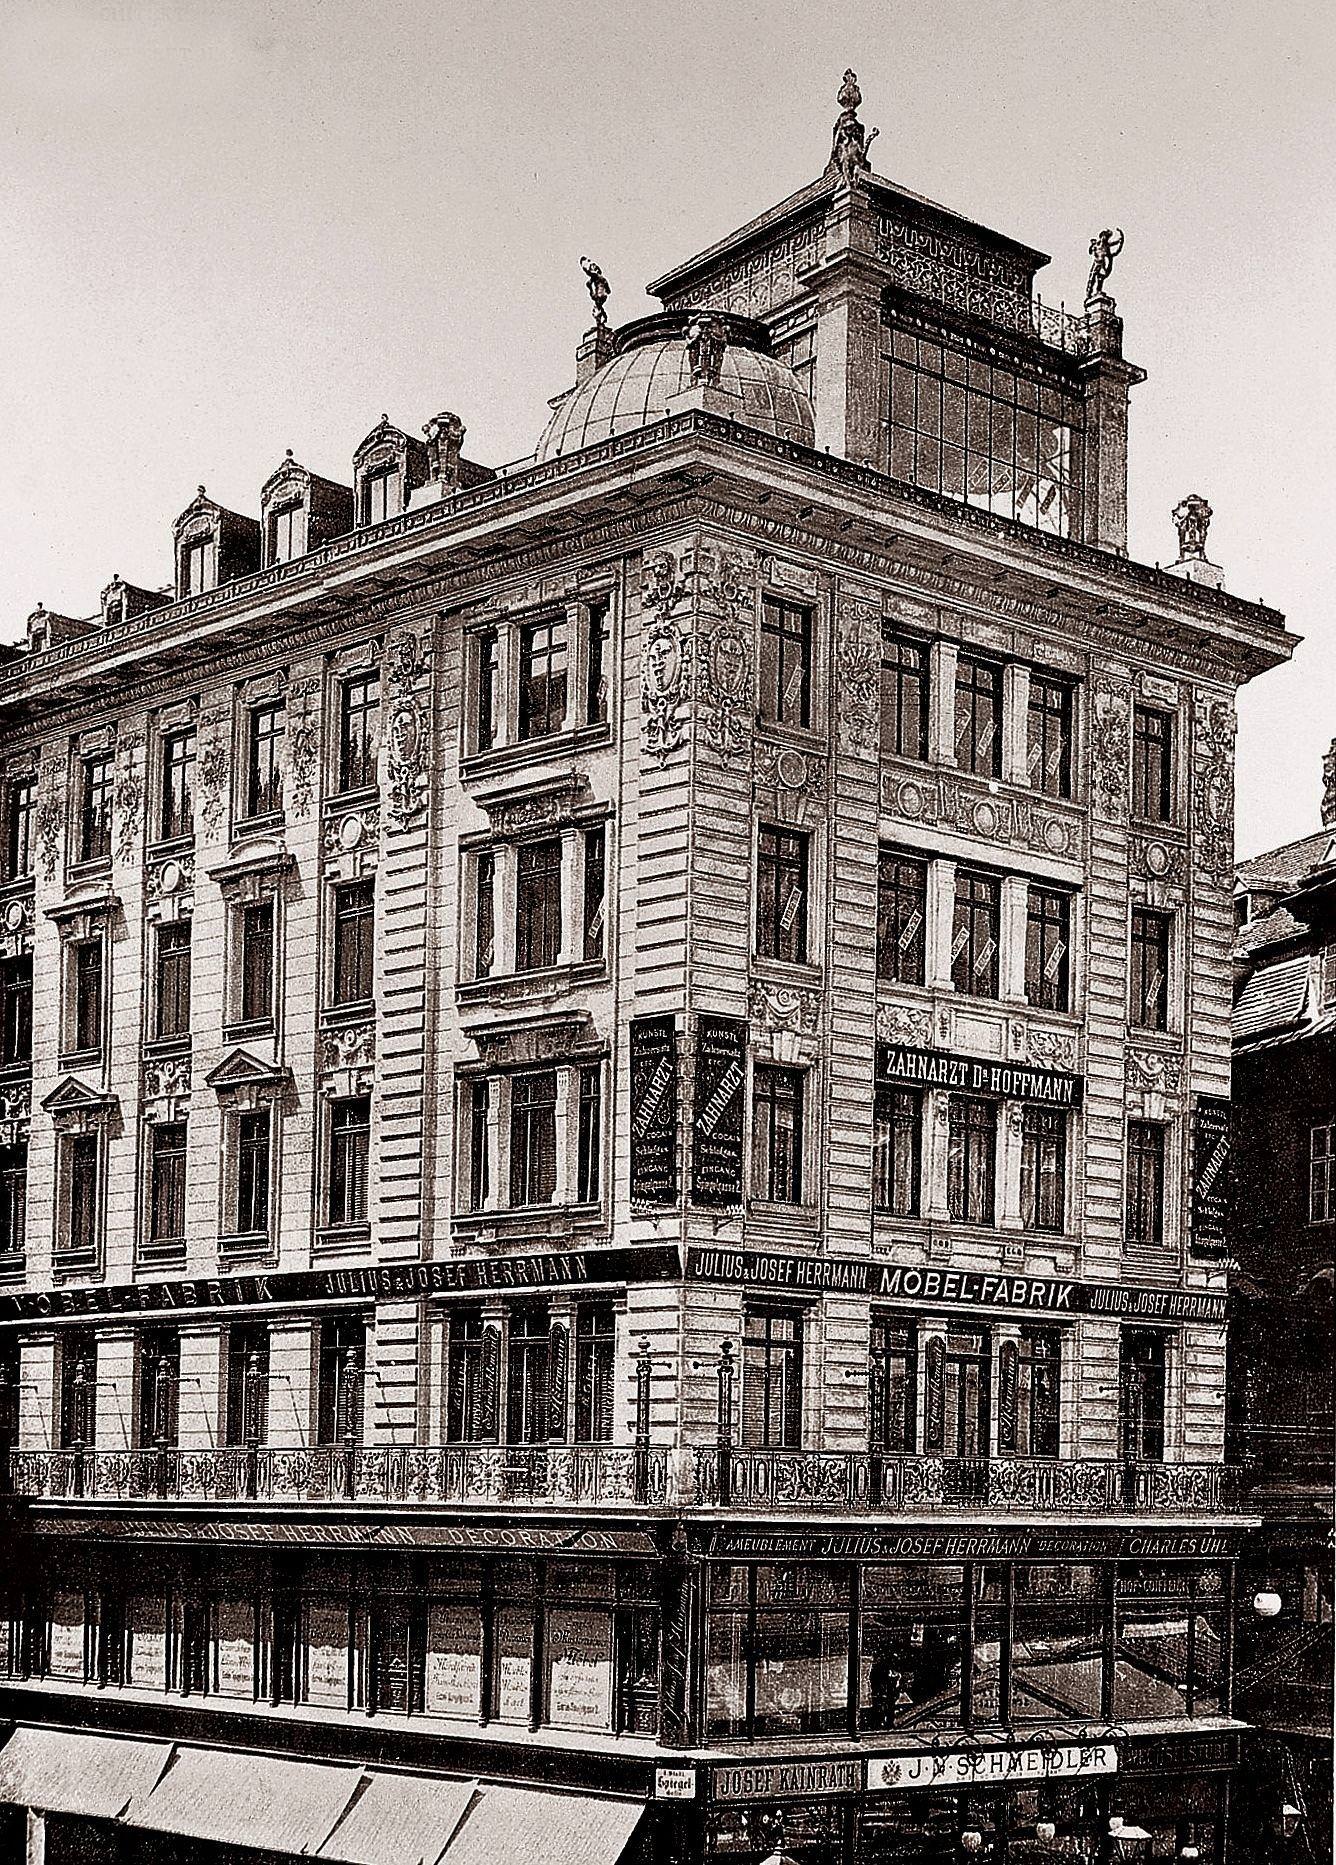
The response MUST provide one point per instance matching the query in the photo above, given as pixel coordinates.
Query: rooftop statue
(1104, 249)
(1192, 516)
(705, 350)
(850, 142)
(598, 287)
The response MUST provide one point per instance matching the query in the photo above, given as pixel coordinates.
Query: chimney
(445, 439)
(1329, 788)
(596, 348)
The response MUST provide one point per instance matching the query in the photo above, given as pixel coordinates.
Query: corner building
(602, 1067)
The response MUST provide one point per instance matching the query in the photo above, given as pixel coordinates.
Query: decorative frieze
(1213, 790)
(794, 781)
(169, 886)
(858, 669)
(1153, 1071)
(548, 808)
(911, 1024)
(409, 729)
(1051, 1048)
(303, 738)
(352, 838)
(16, 926)
(784, 1016)
(948, 800)
(49, 816)
(1110, 748)
(348, 1045)
(1155, 859)
(211, 771)
(15, 1113)
(128, 796)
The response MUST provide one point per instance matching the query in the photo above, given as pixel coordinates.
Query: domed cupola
(658, 360)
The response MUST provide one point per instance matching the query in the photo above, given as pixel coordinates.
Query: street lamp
(1046, 1832)
(971, 1841)
(1267, 1603)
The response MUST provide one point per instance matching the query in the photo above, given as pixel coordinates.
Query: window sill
(782, 1217)
(179, 1044)
(80, 1058)
(246, 1246)
(359, 797)
(800, 737)
(787, 970)
(342, 1240)
(241, 1032)
(546, 1221)
(158, 1252)
(96, 867)
(170, 845)
(497, 758)
(356, 1010)
(13, 1265)
(68, 1262)
(263, 824)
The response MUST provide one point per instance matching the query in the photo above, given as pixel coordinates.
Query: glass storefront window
(146, 1642)
(66, 1651)
(726, 1672)
(1150, 1675)
(802, 1671)
(579, 1668)
(514, 1664)
(454, 1660)
(912, 1647)
(234, 1648)
(326, 1652)
(1057, 1650)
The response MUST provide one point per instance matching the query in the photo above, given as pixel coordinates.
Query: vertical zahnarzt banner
(654, 1111)
(717, 1110)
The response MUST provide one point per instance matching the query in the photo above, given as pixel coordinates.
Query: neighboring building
(601, 1077)
(1282, 1364)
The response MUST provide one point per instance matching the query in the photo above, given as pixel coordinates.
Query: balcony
(611, 1476)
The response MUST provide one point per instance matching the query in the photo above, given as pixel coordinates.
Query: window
(252, 1165)
(359, 731)
(198, 566)
(479, 1116)
(266, 726)
(976, 934)
(20, 806)
(533, 1137)
(172, 979)
(781, 895)
(777, 1134)
(1043, 1168)
(285, 534)
(528, 1380)
(78, 1389)
(595, 1367)
(971, 1158)
(1057, 1646)
(542, 677)
(342, 1365)
(799, 352)
(13, 1198)
(1322, 1174)
(487, 676)
(978, 717)
(159, 1387)
(595, 891)
(484, 914)
(1141, 1391)
(1152, 764)
(257, 962)
(956, 1404)
(470, 1379)
(596, 669)
(1049, 754)
(589, 1134)
(912, 1639)
(1144, 1222)
(902, 908)
(15, 1011)
(95, 788)
(1048, 949)
(247, 1384)
(1150, 969)
(894, 1385)
(349, 1159)
(904, 697)
(86, 969)
(82, 1158)
(167, 1182)
(1327, 977)
(378, 496)
(1028, 1385)
(354, 943)
(538, 905)
(786, 662)
(897, 1150)
(772, 1378)
(177, 816)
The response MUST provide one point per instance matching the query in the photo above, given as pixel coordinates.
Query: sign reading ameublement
(716, 1111)
(654, 1110)
(1210, 1170)
(902, 1066)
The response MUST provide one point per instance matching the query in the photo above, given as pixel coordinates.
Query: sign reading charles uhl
(960, 1767)
(1211, 1168)
(902, 1066)
(653, 1110)
(716, 1111)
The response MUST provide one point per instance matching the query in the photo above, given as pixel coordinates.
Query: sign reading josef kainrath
(960, 1767)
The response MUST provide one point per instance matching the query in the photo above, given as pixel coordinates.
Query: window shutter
(557, 1357)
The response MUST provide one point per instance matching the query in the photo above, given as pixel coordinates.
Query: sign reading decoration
(1013, 1081)
(962, 1767)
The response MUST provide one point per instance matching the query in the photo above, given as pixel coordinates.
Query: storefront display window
(1057, 1648)
(911, 1647)
(578, 1648)
(234, 1647)
(66, 1649)
(454, 1660)
(326, 1650)
(146, 1642)
(514, 1664)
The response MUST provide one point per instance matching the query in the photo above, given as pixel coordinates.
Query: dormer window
(379, 499)
(285, 534)
(198, 567)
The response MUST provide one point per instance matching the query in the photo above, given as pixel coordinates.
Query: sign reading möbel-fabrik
(962, 1766)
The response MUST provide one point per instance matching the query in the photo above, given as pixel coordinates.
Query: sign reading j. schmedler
(964, 1766)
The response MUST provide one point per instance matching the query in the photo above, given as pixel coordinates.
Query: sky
(232, 229)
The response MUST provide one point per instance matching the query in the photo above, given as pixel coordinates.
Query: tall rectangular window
(96, 781)
(902, 911)
(786, 662)
(247, 1383)
(20, 807)
(252, 1172)
(777, 1134)
(971, 1159)
(1322, 1173)
(533, 1137)
(342, 1368)
(1043, 1168)
(484, 914)
(167, 1182)
(589, 1134)
(1049, 750)
(13, 1198)
(265, 729)
(486, 687)
(894, 1385)
(799, 352)
(349, 1159)
(528, 1381)
(979, 717)
(595, 891)
(595, 1370)
(354, 942)
(904, 697)
(359, 731)
(176, 818)
(159, 1386)
(86, 969)
(15, 1011)
(1150, 969)
(1028, 1382)
(958, 1400)
(378, 496)
(781, 895)
(199, 567)
(1144, 1216)
(542, 709)
(1141, 1394)
(596, 660)
(78, 1388)
(257, 961)
(285, 534)
(470, 1408)
(479, 1121)
(1048, 948)
(772, 1378)
(538, 905)
(172, 979)
(1152, 764)
(897, 1150)
(976, 933)
(83, 1160)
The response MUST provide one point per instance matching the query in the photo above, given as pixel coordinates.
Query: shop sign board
(1210, 1170)
(903, 1066)
(785, 1780)
(716, 1111)
(654, 1111)
(975, 1767)
(674, 1783)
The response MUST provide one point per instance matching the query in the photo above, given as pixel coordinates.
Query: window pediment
(74, 1107)
(554, 1040)
(256, 877)
(83, 919)
(245, 1081)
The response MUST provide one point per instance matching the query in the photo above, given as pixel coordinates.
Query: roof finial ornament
(1104, 249)
(1192, 516)
(598, 288)
(849, 142)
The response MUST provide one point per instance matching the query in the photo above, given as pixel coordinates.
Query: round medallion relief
(910, 800)
(1157, 859)
(791, 769)
(1057, 837)
(169, 876)
(985, 818)
(351, 831)
(14, 916)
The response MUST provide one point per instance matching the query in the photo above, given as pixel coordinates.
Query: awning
(543, 1828)
(399, 1819)
(64, 1771)
(238, 1799)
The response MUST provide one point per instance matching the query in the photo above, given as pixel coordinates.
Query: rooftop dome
(653, 364)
